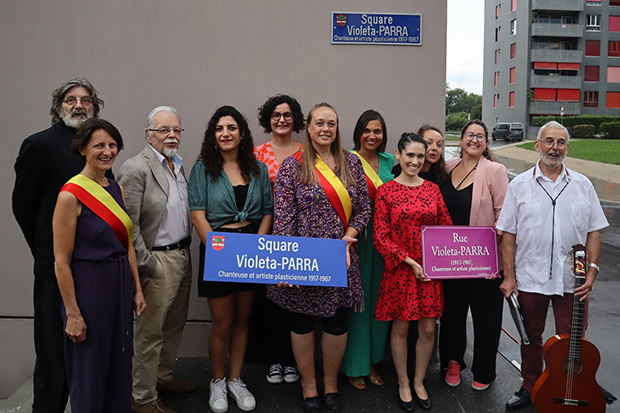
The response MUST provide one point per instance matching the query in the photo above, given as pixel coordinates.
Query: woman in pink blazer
(474, 193)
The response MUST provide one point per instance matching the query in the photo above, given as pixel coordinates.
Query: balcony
(559, 56)
(557, 29)
(553, 108)
(555, 81)
(564, 5)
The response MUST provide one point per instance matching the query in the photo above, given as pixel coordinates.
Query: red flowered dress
(400, 212)
(264, 153)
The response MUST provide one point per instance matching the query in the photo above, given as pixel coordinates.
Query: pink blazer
(490, 185)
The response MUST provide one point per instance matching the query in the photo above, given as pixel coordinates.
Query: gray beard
(72, 122)
(169, 153)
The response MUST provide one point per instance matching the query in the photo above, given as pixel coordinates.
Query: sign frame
(376, 33)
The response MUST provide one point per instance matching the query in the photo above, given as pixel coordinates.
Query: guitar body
(568, 386)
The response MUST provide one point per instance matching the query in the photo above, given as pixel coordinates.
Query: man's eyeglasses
(72, 100)
(548, 143)
(275, 116)
(470, 136)
(165, 130)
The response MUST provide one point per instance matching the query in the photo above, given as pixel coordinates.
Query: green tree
(459, 100)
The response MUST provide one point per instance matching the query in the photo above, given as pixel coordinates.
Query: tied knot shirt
(303, 210)
(543, 266)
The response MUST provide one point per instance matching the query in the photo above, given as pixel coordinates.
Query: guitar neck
(579, 270)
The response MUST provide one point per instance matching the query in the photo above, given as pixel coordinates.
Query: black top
(241, 193)
(457, 202)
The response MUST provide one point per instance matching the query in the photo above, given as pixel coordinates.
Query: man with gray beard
(157, 202)
(44, 164)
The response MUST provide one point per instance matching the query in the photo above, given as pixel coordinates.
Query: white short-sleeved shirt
(528, 213)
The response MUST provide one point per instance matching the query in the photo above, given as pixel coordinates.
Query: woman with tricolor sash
(97, 275)
(321, 192)
(367, 337)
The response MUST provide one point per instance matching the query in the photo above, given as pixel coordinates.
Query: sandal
(358, 382)
(375, 379)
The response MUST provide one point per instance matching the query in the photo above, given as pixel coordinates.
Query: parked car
(512, 131)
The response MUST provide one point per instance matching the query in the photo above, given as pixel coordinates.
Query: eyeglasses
(275, 116)
(470, 136)
(164, 130)
(72, 100)
(548, 143)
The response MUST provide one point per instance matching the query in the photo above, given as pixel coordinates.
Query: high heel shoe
(423, 403)
(406, 406)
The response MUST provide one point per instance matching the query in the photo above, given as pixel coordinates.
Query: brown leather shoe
(177, 386)
(156, 406)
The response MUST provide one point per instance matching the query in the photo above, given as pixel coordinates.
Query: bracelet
(595, 266)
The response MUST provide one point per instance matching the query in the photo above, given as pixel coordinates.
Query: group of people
(104, 249)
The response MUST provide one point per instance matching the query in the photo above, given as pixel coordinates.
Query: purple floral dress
(303, 210)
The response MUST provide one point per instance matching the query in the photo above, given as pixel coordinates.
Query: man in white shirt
(156, 200)
(547, 210)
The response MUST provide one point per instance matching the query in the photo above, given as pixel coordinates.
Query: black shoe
(519, 400)
(423, 403)
(406, 406)
(312, 404)
(332, 402)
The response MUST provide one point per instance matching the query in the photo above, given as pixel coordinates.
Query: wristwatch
(595, 266)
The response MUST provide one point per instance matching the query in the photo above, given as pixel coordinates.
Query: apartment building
(550, 57)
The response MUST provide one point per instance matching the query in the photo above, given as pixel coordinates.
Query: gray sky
(465, 44)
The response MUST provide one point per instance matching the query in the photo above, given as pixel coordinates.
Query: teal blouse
(218, 198)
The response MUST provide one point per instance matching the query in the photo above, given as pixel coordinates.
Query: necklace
(552, 221)
(466, 176)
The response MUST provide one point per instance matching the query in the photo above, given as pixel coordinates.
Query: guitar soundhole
(572, 368)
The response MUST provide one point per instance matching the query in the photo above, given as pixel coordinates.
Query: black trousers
(50, 380)
(486, 302)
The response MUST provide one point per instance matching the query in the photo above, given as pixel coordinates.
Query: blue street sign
(377, 28)
(271, 259)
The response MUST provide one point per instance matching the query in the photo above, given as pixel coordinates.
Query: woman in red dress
(402, 206)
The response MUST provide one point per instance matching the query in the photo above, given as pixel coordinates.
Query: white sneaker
(245, 400)
(291, 374)
(218, 402)
(274, 375)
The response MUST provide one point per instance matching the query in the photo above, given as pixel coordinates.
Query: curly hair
(363, 120)
(59, 94)
(265, 111)
(437, 170)
(211, 156)
(487, 152)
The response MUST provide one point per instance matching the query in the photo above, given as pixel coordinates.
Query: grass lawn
(599, 150)
(453, 136)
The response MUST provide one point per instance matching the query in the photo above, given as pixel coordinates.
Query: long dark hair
(487, 152)
(437, 171)
(211, 156)
(363, 120)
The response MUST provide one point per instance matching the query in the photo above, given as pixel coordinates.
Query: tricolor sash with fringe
(372, 178)
(103, 205)
(336, 192)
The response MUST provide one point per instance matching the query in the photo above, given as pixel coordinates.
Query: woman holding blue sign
(402, 206)
(321, 192)
(367, 336)
(474, 194)
(229, 191)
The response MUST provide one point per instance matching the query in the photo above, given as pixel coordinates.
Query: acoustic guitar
(568, 383)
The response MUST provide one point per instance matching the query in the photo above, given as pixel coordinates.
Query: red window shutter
(545, 65)
(544, 94)
(614, 23)
(591, 74)
(613, 99)
(568, 66)
(593, 48)
(568, 95)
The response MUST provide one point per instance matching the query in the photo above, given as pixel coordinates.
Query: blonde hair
(308, 157)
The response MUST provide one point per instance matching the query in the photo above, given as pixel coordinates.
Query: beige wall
(195, 55)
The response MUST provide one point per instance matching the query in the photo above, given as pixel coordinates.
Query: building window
(513, 27)
(513, 74)
(614, 2)
(593, 47)
(497, 29)
(613, 74)
(513, 50)
(593, 23)
(496, 53)
(590, 99)
(511, 99)
(613, 99)
(513, 5)
(591, 74)
(614, 23)
(613, 48)
(593, 2)
(497, 11)
(494, 101)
